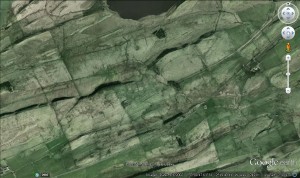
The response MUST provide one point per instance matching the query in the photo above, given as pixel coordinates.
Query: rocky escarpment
(199, 88)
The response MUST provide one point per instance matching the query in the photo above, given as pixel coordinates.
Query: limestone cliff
(199, 88)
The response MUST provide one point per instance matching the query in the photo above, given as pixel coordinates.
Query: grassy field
(4, 11)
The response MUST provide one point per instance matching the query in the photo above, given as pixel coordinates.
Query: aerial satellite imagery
(149, 88)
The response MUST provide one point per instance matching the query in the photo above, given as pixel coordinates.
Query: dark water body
(136, 9)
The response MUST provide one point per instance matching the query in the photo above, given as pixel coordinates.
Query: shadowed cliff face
(136, 9)
(87, 93)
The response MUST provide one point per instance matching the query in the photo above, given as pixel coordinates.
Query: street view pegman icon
(288, 48)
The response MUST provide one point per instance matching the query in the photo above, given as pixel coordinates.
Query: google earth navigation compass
(288, 32)
(288, 13)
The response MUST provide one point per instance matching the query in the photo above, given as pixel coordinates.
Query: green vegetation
(206, 96)
(49, 158)
(4, 11)
(190, 122)
(119, 160)
(257, 15)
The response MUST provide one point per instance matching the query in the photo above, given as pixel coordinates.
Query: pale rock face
(279, 80)
(255, 84)
(170, 69)
(85, 92)
(41, 15)
(28, 128)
